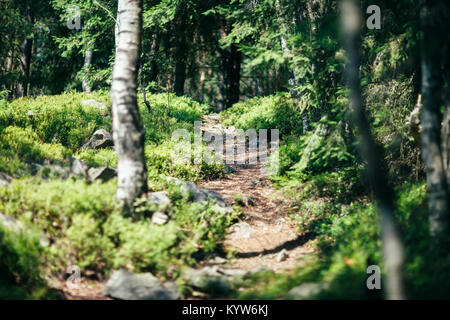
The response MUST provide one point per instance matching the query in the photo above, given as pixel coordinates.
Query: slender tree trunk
(392, 246)
(154, 69)
(438, 198)
(87, 64)
(25, 65)
(233, 76)
(180, 51)
(128, 132)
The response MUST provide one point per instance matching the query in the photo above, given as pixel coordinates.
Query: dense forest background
(364, 140)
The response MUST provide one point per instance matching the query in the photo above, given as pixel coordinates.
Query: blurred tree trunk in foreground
(434, 17)
(392, 246)
(128, 132)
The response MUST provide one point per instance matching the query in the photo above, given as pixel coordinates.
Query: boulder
(213, 279)
(101, 173)
(78, 167)
(306, 290)
(100, 139)
(159, 198)
(125, 285)
(208, 279)
(198, 194)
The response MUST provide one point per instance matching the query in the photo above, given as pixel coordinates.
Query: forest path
(265, 236)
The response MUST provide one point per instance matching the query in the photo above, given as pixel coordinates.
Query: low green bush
(20, 265)
(86, 229)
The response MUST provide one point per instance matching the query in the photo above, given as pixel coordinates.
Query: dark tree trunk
(180, 51)
(154, 68)
(232, 66)
(433, 25)
(392, 246)
(180, 76)
(25, 65)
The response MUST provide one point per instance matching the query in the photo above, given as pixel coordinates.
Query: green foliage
(86, 229)
(20, 265)
(57, 119)
(20, 146)
(347, 240)
(271, 112)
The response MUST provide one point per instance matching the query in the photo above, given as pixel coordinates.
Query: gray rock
(246, 201)
(255, 182)
(5, 179)
(78, 167)
(160, 218)
(283, 255)
(217, 260)
(10, 223)
(199, 195)
(94, 103)
(261, 269)
(241, 230)
(306, 290)
(124, 285)
(207, 279)
(213, 279)
(159, 198)
(56, 170)
(228, 169)
(102, 173)
(100, 139)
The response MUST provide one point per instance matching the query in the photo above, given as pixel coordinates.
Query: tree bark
(87, 64)
(232, 64)
(432, 23)
(392, 246)
(25, 65)
(128, 132)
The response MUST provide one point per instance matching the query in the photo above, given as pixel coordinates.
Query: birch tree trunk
(87, 64)
(392, 246)
(128, 132)
(432, 22)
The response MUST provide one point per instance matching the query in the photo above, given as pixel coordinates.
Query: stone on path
(125, 285)
(283, 255)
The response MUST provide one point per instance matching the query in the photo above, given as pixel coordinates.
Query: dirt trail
(264, 233)
(265, 230)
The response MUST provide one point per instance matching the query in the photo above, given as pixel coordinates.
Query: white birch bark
(128, 132)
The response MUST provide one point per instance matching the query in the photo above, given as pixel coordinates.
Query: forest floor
(265, 236)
